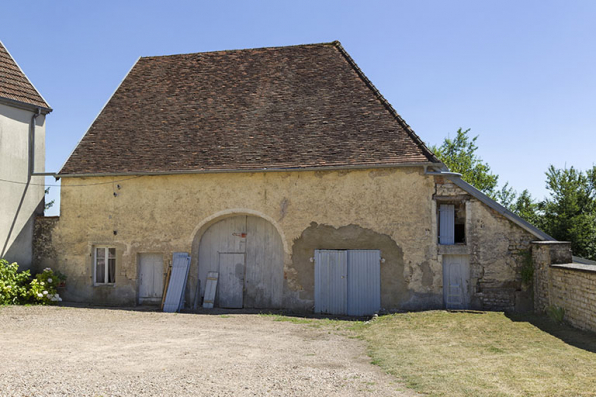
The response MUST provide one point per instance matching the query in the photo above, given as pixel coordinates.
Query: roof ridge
(330, 43)
(386, 103)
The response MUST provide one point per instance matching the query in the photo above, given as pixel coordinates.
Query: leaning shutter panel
(177, 285)
(447, 224)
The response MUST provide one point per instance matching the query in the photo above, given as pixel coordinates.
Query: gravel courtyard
(51, 351)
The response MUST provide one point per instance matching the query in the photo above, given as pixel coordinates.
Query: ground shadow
(572, 336)
(285, 313)
(215, 311)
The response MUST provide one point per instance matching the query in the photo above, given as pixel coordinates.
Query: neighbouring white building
(22, 155)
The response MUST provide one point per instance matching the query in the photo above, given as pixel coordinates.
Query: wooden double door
(247, 252)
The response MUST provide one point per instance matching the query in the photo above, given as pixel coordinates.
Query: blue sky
(521, 74)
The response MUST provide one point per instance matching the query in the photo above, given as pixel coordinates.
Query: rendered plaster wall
(387, 209)
(497, 248)
(21, 199)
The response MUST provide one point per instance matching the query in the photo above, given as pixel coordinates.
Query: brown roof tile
(284, 107)
(14, 85)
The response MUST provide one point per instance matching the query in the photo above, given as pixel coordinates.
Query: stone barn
(286, 171)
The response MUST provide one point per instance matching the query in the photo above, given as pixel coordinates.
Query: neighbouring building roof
(14, 84)
(304, 106)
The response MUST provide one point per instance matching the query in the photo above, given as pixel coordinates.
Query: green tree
(49, 204)
(568, 214)
(570, 210)
(527, 208)
(459, 155)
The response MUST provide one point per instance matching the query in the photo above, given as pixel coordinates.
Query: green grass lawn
(478, 354)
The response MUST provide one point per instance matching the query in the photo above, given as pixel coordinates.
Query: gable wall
(497, 249)
(387, 209)
(19, 202)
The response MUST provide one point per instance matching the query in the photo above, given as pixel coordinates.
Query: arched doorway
(247, 252)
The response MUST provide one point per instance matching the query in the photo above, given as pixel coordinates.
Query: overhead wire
(78, 185)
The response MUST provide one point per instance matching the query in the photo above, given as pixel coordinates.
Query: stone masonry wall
(574, 289)
(44, 253)
(496, 248)
(561, 283)
(542, 278)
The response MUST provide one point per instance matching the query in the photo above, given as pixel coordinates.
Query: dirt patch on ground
(50, 351)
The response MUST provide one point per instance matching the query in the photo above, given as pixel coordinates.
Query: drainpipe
(32, 144)
(31, 165)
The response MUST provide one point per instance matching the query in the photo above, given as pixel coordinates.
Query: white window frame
(107, 253)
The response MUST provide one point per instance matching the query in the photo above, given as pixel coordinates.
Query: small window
(452, 223)
(104, 264)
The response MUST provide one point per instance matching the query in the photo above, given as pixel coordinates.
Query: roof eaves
(456, 179)
(246, 170)
(25, 105)
(387, 105)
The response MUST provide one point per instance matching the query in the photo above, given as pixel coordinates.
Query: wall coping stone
(540, 242)
(576, 266)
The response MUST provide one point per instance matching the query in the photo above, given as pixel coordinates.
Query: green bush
(13, 284)
(556, 313)
(18, 288)
(527, 268)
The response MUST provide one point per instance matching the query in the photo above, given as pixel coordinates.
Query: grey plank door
(331, 282)
(447, 224)
(151, 278)
(227, 235)
(456, 281)
(364, 282)
(231, 280)
(264, 265)
(210, 290)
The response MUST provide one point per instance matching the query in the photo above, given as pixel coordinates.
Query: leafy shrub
(43, 287)
(17, 288)
(556, 313)
(527, 268)
(13, 284)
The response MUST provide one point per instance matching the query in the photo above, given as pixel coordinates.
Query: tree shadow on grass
(572, 336)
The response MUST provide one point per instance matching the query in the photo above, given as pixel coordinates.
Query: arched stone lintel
(218, 216)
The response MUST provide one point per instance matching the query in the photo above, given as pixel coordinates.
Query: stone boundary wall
(574, 289)
(561, 283)
(44, 254)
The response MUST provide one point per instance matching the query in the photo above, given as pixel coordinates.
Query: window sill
(455, 249)
(104, 285)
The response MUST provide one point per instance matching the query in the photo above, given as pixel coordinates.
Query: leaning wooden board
(165, 287)
(210, 289)
(177, 285)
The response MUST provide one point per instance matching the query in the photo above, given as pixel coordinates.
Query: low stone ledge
(576, 266)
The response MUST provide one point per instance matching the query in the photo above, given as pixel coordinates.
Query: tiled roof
(14, 85)
(291, 107)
